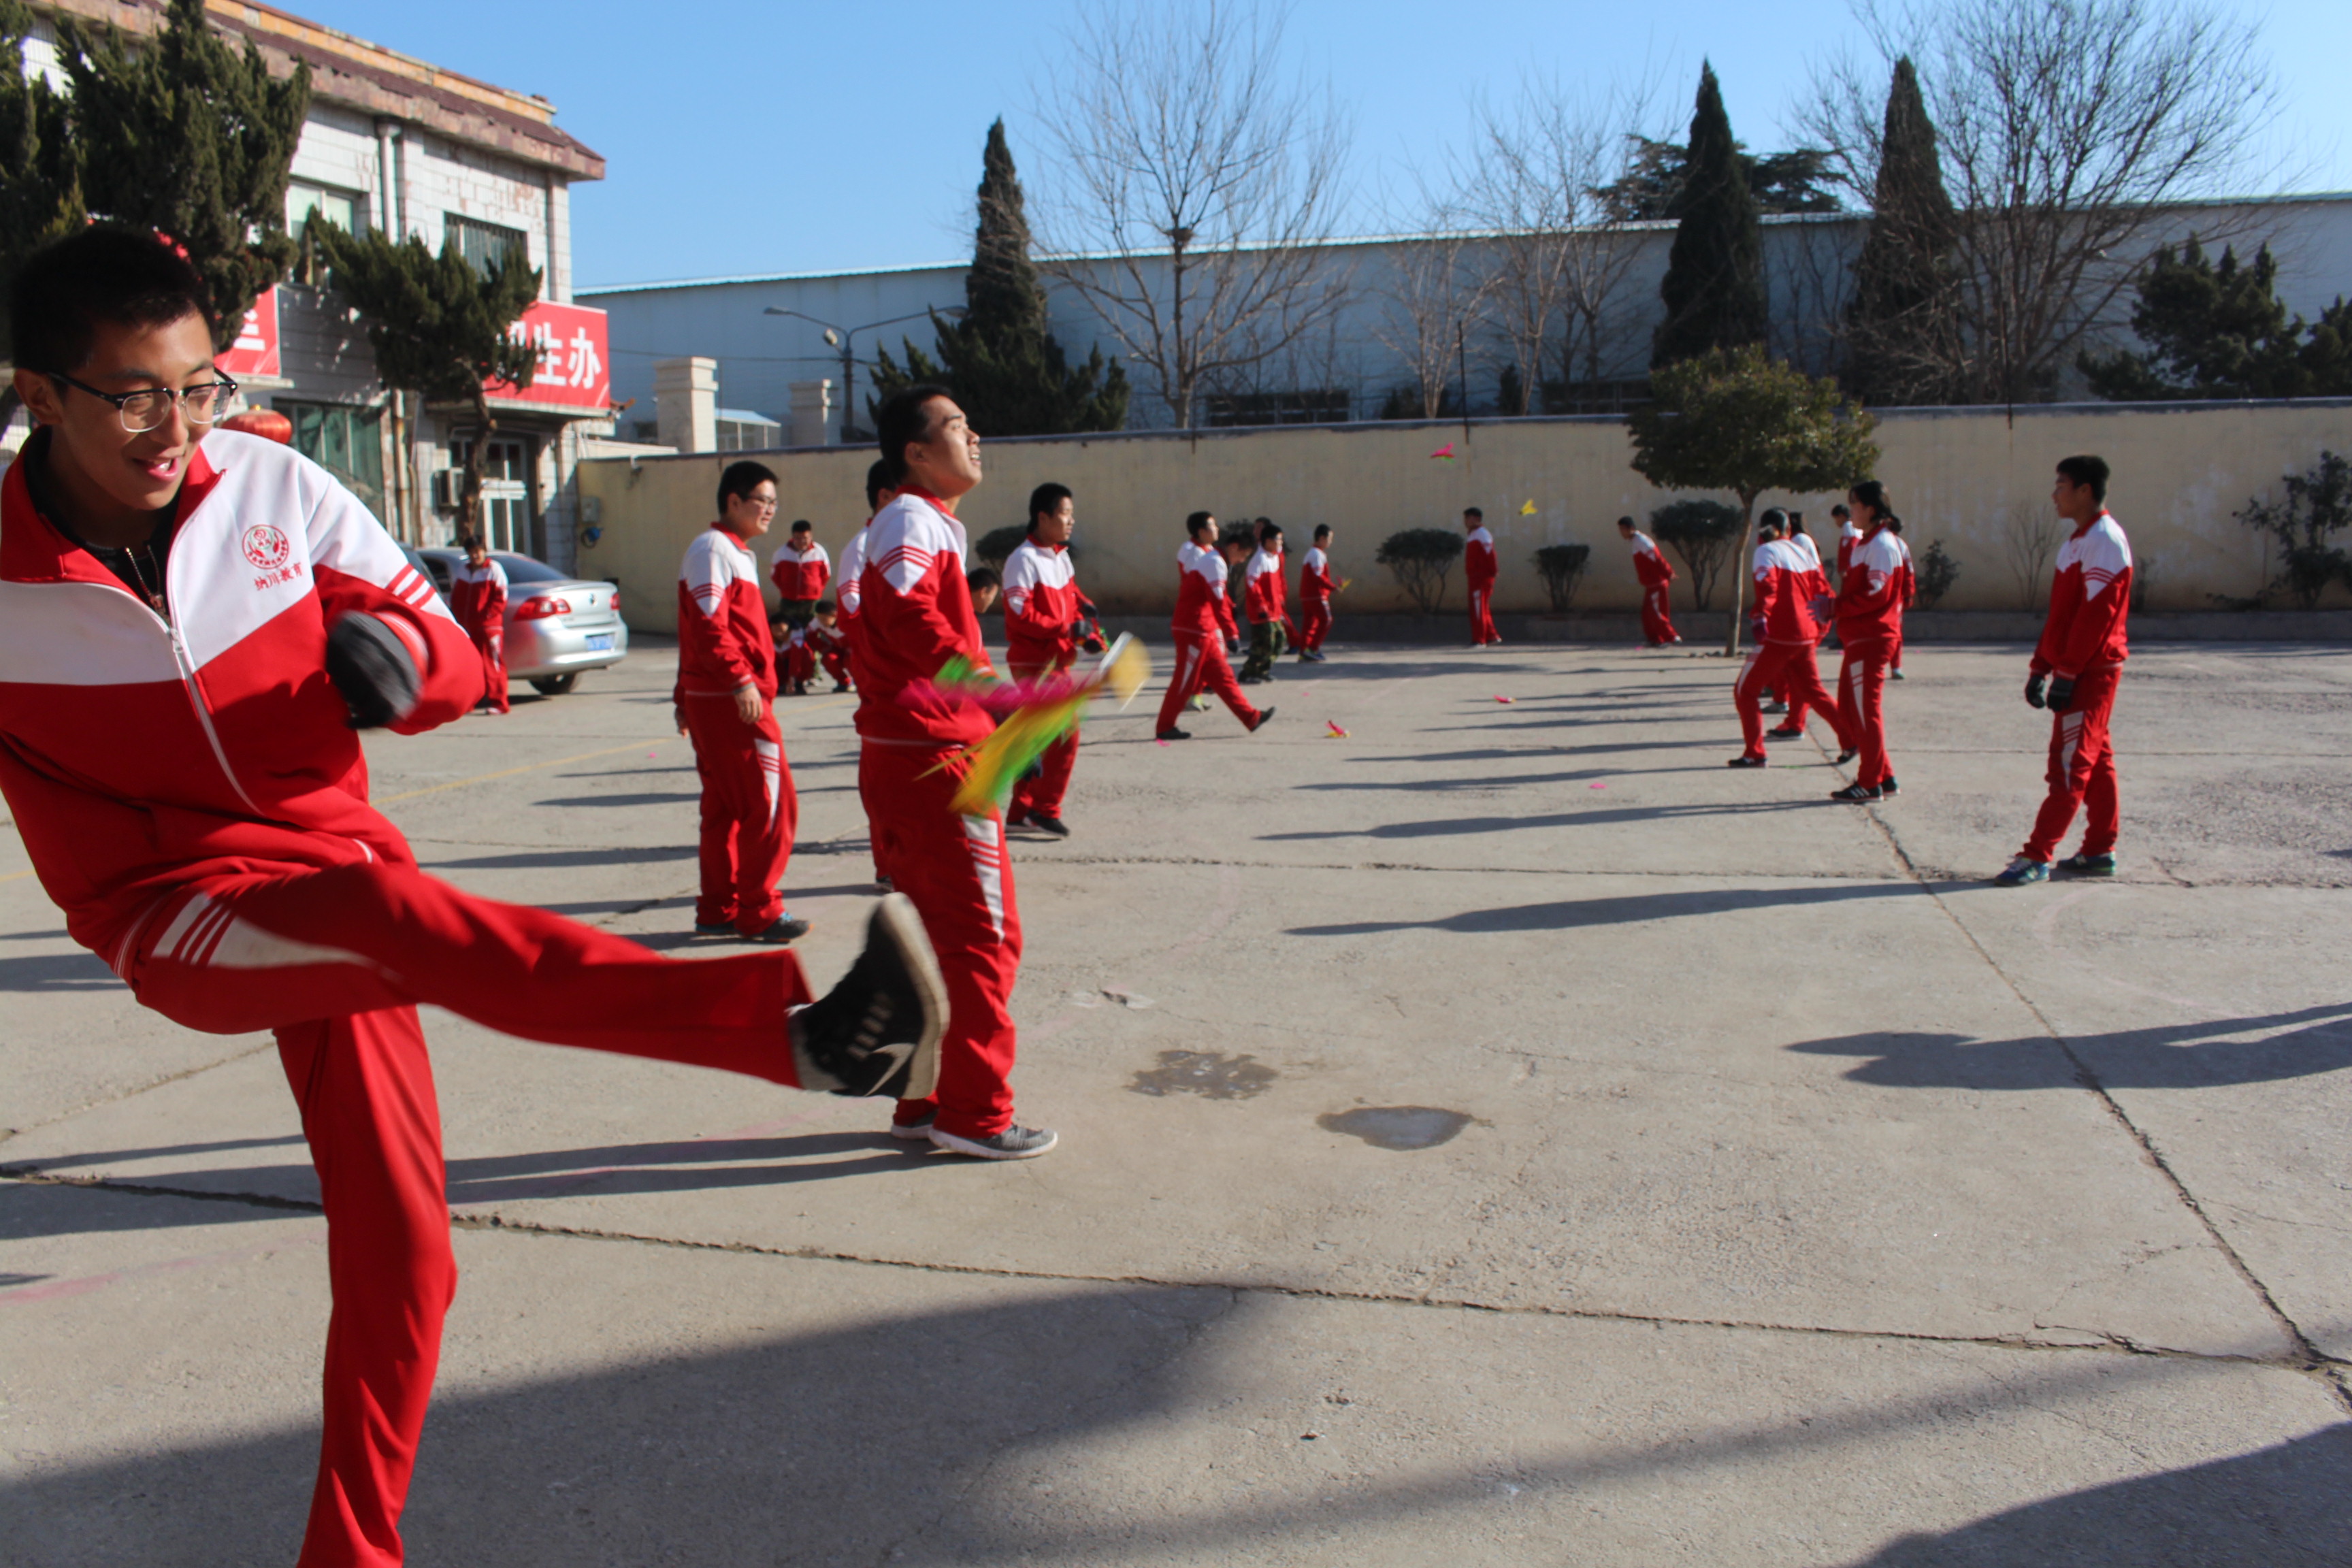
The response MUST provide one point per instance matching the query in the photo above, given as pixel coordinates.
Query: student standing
(1203, 626)
(1315, 590)
(478, 598)
(2077, 667)
(1652, 568)
(879, 493)
(1803, 541)
(726, 704)
(1791, 598)
(801, 571)
(1907, 596)
(1479, 569)
(199, 624)
(1046, 617)
(1262, 599)
(1869, 609)
(915, 612)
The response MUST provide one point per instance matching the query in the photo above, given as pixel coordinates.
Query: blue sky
(746, 137)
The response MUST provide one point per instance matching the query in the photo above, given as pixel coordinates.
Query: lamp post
(837, 338)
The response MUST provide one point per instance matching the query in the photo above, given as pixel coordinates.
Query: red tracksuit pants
(1042, 795)
(1657, 626)
(750, 812)
(1789, 668)
(492, 647)
(1481, 615)
(336, 963)
(1314, 624)
(1201, 665)
(2082, 769)
(957, 870)
(1862, 710)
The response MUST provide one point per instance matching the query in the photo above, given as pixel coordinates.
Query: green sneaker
(2088, 865)
(2022, 872)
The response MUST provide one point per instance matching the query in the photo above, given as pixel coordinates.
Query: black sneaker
(1889, 787)
(1745, 761)
(1785, 732)
(877, 1032)
(1856, 793)
(1017, 816)
(1174, 735)
(723, 928)
(1053, 826)
(784, 928)
(2088, 865)
(1776, 707)
(1015, 1143)
(1847, 755)
(1263, 715)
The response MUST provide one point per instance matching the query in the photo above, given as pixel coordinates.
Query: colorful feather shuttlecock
(1528, 509)
(1506, 700)
(1030, 715)
(1444, 454)
(1337, 734)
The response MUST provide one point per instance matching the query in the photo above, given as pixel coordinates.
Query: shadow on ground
(2178, 1056)
(1570, 913)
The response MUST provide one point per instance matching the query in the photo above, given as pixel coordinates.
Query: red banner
(255, 352)
(574, 353)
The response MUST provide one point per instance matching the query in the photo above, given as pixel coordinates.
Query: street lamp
(837, 338)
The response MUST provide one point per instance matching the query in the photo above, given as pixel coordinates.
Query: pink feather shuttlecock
(1337, 734)
(1444, 454)
(1507, 700)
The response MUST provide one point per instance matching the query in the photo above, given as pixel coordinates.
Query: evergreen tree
(2221, 331)
(1005, 369)
(1900, 324)
(40, 167)
(1796, 181)
(438, 326)
(1713, 288)
(191, 138)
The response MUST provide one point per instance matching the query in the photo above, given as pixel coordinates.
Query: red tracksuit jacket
(138, 754)
(1787, 585)
(1479, 565)
(1203, 608)
(1649, 565)
(723, 642)
(2090, 602)
(800, 575)
(1040, 604)
(1316, 584)
(477, 598)
(1262, 587)
(1848, 537)
(914, 614)
(1870, 595)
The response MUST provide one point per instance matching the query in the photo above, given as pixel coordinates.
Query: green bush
(2319, 506)
(1938, 573)
(1561, 566)
(1422, 559)
(1704, 533)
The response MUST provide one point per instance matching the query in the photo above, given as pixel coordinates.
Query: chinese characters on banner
(572, 354)
(255, 352)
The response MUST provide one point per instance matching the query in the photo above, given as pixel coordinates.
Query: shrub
(2319, 506)
(995, 547)
(1561, 566)
(1422, 559)
(1938, 573)
(1704, 533)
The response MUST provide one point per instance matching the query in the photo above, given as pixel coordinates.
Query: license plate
(600, 645)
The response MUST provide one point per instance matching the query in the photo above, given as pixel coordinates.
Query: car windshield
(524, 569)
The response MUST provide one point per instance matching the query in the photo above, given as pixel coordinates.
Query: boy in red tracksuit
(726, 704)
(1203, 626)
(2081, 656)
(795, 663)
(824, 637)
(917, 613)
(1479, 569)
(1869, 612)
(801, 571)
(1263, 602)
(1045, 624)
(1315, 590)
(1654, 574)
(1790, 598)
(198, 623)
(879, 493)
(478, 598)
(1907, 596)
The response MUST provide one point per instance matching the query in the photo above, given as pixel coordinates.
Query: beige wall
(1961, 475)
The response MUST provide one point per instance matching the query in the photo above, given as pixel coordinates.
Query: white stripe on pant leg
(181, 924)
(987, 864)
(1741, 679)
(246, 946)
(772, 764)
(2069, 726)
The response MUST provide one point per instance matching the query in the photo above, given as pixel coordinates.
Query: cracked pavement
(1635, 1161)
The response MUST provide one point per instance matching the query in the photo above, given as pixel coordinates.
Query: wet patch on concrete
(1402, 1127)
(1213, 1074)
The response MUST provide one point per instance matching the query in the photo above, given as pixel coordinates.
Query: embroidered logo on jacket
(267, 547)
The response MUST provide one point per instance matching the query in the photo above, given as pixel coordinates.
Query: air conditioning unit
(448, 488)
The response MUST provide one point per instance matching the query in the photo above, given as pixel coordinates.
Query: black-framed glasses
(145, 410)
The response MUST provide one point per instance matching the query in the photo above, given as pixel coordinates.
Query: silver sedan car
(556, 625)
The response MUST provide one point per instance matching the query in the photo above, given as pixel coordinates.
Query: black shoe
(1785, 732)
(1776, 705)
(1263, 715)
(883, 884)
(1173, 735)
(1847, 755)
(1016, 817)
(1052, 826)
(1015, 1143)
(723, 928)
(785, 929)
(877, 1032)
(1745, 761)
(1889, 787)
(1854, 793)
(2088, 865)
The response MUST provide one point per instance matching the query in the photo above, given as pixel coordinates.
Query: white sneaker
(1015, 1143)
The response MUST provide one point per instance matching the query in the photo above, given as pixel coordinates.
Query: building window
(346, 441)
(481, 244)
(347, 210)
(1317, 406)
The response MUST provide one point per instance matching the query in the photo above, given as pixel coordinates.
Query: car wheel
(555, 685)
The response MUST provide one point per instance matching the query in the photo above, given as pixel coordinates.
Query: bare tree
(2065, 127)
(1558, 252)
(2029, 542)
(1431, 289)
(1196, 190)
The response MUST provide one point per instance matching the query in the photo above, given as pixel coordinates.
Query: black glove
(373, 668)
(2062, 691)
(2033, 691)
(1087, 612)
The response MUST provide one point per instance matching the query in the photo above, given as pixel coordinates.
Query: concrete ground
(1500, 1134)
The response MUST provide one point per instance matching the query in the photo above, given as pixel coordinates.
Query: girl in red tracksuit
(179, 751)
(1654, 574)
(1790, 595)
(1315, 590)
(1203, 626)
(478, 598)
(1045, 619)
(1479, 569)
(1869, 613)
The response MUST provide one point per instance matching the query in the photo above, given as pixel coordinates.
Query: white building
(396, 145)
